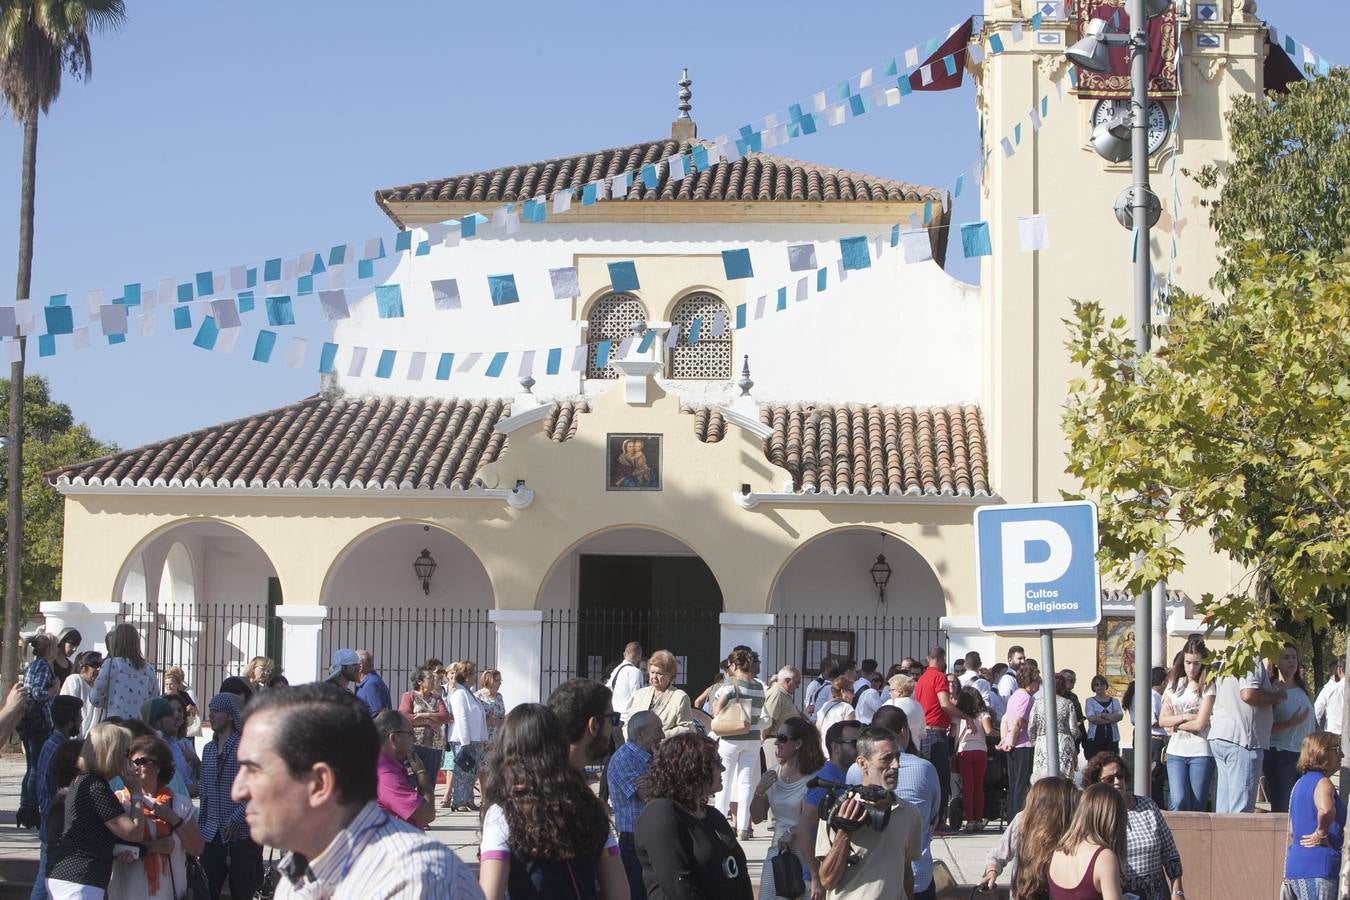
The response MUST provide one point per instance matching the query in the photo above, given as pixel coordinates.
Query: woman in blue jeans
(1188, 700)
(1294, 720)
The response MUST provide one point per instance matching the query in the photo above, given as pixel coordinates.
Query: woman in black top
(94, 818)
(687, 849)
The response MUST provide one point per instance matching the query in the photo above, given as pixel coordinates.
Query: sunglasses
(142, 761)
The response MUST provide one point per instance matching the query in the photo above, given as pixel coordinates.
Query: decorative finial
(639, 328)
(745, 384)
(685, 94)
(527, 383)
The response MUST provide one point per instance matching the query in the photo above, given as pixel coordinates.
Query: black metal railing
(403, 638)
(209, 643)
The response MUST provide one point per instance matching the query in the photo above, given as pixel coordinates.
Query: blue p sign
(1036, 566)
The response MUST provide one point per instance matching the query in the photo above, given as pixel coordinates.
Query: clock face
(1159, 124)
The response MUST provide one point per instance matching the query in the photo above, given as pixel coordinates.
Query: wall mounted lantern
(881, 573)
(425, 567)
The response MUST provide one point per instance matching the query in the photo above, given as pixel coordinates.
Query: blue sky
(216, 133)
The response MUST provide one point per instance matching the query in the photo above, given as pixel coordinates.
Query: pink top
(1019, 708)
(393, 791)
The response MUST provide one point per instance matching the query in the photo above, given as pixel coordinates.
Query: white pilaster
(750, 629)
(519, 635)
(301, 631)
(93, 620)
(964, 635)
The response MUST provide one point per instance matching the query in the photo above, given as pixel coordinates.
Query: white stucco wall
(378, 572)
(893, 333)
(832, 575)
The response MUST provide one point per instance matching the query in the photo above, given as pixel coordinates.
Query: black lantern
(425, 567)
(881, 573)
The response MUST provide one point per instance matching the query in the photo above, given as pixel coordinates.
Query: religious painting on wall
(1163, 33)
(1115, 653)
(633, 462)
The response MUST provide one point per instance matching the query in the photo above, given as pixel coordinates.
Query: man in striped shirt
(307, 764)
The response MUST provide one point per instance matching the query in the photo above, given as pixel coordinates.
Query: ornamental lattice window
(711, 358)
(612, 319)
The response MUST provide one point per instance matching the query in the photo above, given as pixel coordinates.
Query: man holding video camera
(876, 837)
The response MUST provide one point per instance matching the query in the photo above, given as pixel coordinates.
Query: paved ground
(963, 854)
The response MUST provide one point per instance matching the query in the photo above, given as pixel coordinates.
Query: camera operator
(877, 837)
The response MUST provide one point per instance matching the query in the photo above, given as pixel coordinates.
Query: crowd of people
(852, 784)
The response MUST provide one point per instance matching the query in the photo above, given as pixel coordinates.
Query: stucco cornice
(825, 498)
(516, 498)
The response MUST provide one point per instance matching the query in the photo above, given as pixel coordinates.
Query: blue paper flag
(423, 248)
(262, 349)
(931, 46)
(892, 69)
(385, 367)
(782, 299)
(469, 227)
(1045, 106)
(389, 301)
(895, 235)
(443, 367)
(502, 289)
(272, 270)
(602, 354)
(736, 264)
(695, 329)
(808, 124)
(1073, 76)
(928, 213)
(975, 239)
(822, 278)
(554, 361)
(1017, 133)
(46, 345)
(184, 292)
(403, 241)
(182, 318)
(623, 276)
(949, 63)
(855, 103)
(304, 285)
(365, 268)
(960, 184)
(206, 334)
(905, 85)
(854, 251)
(60, 320)
(648, 338)
(251, 277)
(206, 284)
(61, 299)
(700, 155)
(338, 255)
(279, 311)
(1036, 20)
(117, 339)
(588, 194)
(131, 294)
(327, 356)
(246, 303)
(650, 178)
(995, 43)
(318, 268)
(740, 315)
(494, 369)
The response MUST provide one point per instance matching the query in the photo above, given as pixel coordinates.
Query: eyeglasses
(143, 761)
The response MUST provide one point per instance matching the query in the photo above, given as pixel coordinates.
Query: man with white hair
(779, 705)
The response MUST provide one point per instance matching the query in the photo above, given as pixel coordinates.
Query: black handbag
(466, 760)
(787, 874)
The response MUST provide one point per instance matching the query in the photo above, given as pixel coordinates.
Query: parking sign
(1036, 566)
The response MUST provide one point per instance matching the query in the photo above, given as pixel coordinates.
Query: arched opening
(612, 318)
(826, 601)
(709, 356)
(376, 601)
(630, 584)
(203, 595)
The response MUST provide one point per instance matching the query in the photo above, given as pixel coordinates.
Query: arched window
(711, 358)
(612, 319)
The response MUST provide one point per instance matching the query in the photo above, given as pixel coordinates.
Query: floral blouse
(121, 689)
(493, 707)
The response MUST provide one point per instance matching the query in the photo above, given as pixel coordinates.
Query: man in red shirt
(939, 711)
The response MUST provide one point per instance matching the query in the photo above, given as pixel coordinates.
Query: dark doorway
(664, 602)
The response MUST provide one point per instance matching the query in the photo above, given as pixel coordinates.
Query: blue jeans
(1281, 770)
(1238, 771)
(40, 883)
(937, 751)
(1188, 779)
(32, 749)
(632, 866)
(461, 782)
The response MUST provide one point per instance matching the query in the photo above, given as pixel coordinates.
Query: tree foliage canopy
(52, 439)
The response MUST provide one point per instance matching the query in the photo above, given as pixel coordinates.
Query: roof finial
(683, 128)
(745, 384)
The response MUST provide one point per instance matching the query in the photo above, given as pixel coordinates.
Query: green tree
(53, 439)
(1238, 426)
(1288, 185)
(40, 42)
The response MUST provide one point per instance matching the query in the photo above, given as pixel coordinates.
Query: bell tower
(1055, 171)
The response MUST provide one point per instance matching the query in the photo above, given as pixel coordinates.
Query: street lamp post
(1138, 210)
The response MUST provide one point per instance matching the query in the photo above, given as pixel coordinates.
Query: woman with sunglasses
(1152, 863)
(171, 832)
(782, 792)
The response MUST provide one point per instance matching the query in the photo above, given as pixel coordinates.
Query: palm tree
(40, 41)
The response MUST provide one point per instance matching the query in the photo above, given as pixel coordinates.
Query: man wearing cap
(346, 669)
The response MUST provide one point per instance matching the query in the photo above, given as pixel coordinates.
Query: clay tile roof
(1122, 597)
(862, 449)
(756, 177)
(387, 442)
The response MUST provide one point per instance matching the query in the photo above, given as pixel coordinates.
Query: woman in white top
(1187, 703)
(1102, 712)
(125, 682)
(468, 733)
(171, 830)
(902, 697)
(839, 708)
(781, 792)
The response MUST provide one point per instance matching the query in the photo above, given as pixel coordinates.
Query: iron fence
(803, 640)
(402, 638)
(590, 642)
(209, 643)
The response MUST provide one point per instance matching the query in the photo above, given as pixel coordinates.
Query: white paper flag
(911, 57)
(625, 346)
(166, 290)
(770, 121)
(227, 340)
(879, 246)
(926, 75)
(289, 269)
(1007, 147)
(295, 354)
(976, 53)
(80, 339)
(226, 313)
(719, 325)
(8, 324)
(770, 138)
(417, 365)
(372, 248)
(435, 234)
(672, 337)
(892, 96)
(1016, 32)
(97, 297)
(470, 360)
(676, 167)
(23, 313)
(818, 102)
(733, 151)
(238, 278)
(337, 278)
(445, 294)
(112, 318)
(1035, 119)
(334, 306)
(13, 352)
(917, 246)
(147, 326)
(357, 363)
(562, 201)
(803, 289)
(512, 223)
(526, 369)
(306, 262)
(843, 272)
(1033, 232)
(149, 300)
(564, 280)
(759, 306)
(579, 356)
(619, 186)
(837, 115)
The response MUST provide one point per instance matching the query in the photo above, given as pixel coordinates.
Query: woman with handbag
(467, 736)
(171, 832)
(426, 711)
(781, 791)
(737, 707)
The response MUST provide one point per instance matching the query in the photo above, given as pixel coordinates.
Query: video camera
(877, 801)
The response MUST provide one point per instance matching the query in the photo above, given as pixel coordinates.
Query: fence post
(301, 633)
(749, 629)
(519, 653)
(93, 620)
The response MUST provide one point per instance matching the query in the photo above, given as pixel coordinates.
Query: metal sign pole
(1048, 685)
